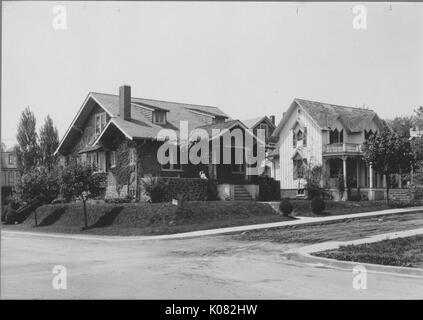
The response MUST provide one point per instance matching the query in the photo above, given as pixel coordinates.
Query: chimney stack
(272, 117)
(125, 102)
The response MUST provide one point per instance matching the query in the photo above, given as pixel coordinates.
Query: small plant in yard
(317, 205)
(285, 207)
(82, 182)
(154, 189)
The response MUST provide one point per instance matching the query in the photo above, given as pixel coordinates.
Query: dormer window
(159, 117)
(336, 136)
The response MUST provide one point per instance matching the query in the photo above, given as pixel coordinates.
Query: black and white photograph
(228, 152)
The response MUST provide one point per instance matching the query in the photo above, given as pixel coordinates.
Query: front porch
(347, 175)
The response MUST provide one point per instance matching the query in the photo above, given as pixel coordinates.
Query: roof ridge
(184, 103)
(336, 105)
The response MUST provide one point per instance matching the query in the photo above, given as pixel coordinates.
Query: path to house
(200, 233)
(211, 267)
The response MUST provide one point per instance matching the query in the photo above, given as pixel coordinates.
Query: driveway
(214, 267)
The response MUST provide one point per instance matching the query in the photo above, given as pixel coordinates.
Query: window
(101, 161)
(159, 117)
(368, 134)
(264, 127)
(100, 122)
(11, 177)
(336, 136)
(132, 156)
(299, 168)
(112, 159)
(299, 137)
(11, 159)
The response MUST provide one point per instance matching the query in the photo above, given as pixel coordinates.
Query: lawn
(333, 208)
(344, 230)
(148, 219)
(404, 252)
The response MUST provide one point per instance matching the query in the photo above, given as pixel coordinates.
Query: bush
(154, 189)
(212, 194)
(317, 205)
(285, 207)
(39, 183)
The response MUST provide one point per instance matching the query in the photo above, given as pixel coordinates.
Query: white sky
(249, 59)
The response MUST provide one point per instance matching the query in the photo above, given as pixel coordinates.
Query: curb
(304, 254)
(301, 221)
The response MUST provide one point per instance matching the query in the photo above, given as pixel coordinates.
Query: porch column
(324, 164)
(344, 169)
(384, 181)
(358, 173)
(372, 193)
(399, 181)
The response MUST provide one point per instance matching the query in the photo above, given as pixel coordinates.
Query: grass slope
(148, 219)
(404, 252)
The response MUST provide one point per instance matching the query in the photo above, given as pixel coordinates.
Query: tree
(27, 151)
(82, 182)
(49, 141)
(39, 185)
(401, 125)
(388, 153)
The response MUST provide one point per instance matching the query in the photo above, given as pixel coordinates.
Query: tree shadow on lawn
(52, 217)
(107, 219)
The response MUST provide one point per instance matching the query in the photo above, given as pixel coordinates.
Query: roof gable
(326, 115)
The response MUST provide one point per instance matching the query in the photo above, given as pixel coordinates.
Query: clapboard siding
(312, 152)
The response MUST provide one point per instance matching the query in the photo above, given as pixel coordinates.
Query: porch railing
(342, 148)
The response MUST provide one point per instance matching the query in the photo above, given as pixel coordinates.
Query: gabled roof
(253, 122)
(325, 116)
(140, 127)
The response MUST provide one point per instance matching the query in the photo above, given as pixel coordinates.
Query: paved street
(210, 267)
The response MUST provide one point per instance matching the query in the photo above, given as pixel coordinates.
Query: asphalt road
(215, 267)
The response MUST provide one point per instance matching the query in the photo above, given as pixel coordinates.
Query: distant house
(105, 121)
(9, 173)
(267, 124)
(315, 133)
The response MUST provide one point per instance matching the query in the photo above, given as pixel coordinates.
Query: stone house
(107, 127)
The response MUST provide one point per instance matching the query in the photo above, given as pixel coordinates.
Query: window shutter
(294, 139)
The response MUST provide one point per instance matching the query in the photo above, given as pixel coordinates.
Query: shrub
(212, 193)
(154, 189)
(355, 197)
(39, 183)
(317, 205)
(285, 207)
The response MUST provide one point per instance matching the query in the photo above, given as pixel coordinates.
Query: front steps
(241, 194)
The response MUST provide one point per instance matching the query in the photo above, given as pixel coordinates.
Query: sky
(250, 59)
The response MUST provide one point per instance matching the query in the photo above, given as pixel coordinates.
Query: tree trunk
(85, 214)
(388, 182)
(35, 217)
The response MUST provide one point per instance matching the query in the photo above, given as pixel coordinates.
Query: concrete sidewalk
(200, 233)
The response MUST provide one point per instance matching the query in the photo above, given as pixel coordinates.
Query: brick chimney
(272, 117)
(125, 102)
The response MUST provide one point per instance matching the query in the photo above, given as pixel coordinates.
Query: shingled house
(105, 122)
(315, 133)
